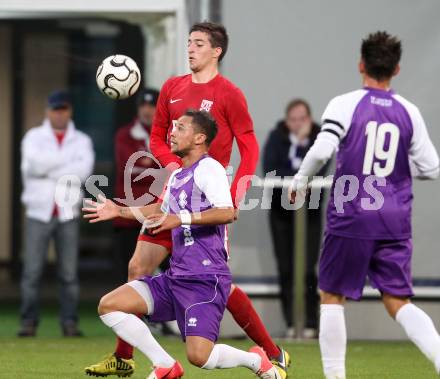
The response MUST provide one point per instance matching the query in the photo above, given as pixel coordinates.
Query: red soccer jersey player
(203, 89)
(228, 106)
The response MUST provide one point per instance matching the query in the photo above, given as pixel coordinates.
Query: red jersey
(227, 105)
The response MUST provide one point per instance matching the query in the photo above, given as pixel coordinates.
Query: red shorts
(163, 238)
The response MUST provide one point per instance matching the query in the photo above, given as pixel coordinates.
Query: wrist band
(185, 218)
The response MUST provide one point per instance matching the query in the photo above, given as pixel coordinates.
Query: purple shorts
(196, 302)
(346, 263)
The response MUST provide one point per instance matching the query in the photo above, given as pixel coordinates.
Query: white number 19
(375, 148)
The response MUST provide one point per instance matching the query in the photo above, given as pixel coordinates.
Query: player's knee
(197, 357)
(331, 298)
(106, 305)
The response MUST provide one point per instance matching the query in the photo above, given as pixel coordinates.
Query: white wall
(282, 49)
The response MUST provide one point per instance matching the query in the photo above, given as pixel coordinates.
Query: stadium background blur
(278, 50)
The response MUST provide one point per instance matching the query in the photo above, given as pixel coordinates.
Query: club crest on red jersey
(206, 105)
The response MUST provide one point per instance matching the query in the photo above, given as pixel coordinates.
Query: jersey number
(376, 148)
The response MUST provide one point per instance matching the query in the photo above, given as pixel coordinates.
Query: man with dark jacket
(284, 151)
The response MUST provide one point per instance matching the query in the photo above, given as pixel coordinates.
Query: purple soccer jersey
(198, 249)
(376, 129)
(195, 289)
(382, 139)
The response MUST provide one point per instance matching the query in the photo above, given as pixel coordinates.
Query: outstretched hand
(103, 210)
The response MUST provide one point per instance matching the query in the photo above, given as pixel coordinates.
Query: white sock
(225, 356)
(420, 330)
(132, 330)
(333, 340)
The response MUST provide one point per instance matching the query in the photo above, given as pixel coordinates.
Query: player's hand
(292, 197)
(160, 222)
(103, 210)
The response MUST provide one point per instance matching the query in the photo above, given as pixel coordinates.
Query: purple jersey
(198, 249)
(380, 133)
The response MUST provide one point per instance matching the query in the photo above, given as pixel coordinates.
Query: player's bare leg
(417, 325)
(244, 313)
(332, 335)
(118, 310)
(146, 258)
(203, 353)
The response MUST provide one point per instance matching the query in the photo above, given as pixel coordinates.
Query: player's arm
(242, 127)
(210, 177)
(107, 209)
(214, 216)
(333, 130)
(423, 156)
(159, 130)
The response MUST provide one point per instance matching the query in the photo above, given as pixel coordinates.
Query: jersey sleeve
(210, 176)
(159, 131)
(165, 197)
(240, 121)
(338, 114)
(422, 152)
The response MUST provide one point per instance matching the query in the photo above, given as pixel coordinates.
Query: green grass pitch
(51, 356)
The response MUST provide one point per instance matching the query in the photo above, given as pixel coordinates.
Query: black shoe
(71, 330)
(28, 330)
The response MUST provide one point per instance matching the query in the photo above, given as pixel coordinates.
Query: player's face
(200, 52)
(297, 119)
(146, 113)
(182, 136)
(59, 118)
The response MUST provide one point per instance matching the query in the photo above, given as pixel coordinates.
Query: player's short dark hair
(296, 103)
(205, 124)
(218, 37)
(381, 53)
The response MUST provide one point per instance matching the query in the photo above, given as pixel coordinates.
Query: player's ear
(361, 67)
(200, 138)
(217, 52)
(396, 70)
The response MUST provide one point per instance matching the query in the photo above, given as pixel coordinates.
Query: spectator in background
(284, 151)
(130, 139)
(49, 152)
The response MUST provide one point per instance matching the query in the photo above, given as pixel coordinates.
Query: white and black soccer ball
(118, 76)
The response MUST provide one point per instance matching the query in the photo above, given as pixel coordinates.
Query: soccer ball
(118, 76)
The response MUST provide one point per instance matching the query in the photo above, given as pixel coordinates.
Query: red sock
(245, 315)
(123, 349)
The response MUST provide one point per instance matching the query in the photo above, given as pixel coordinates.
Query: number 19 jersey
(380, 132)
